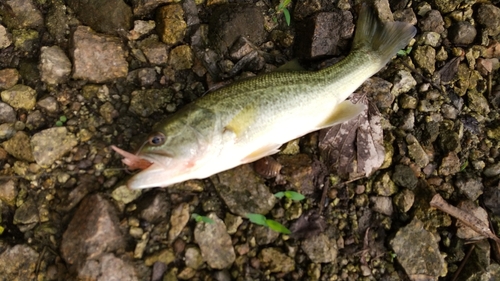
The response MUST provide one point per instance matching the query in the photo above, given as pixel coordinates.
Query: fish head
(172, 153)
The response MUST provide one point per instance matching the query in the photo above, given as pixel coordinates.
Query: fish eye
(156, 139)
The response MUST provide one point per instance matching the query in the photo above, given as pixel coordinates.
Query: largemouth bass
(250, 119)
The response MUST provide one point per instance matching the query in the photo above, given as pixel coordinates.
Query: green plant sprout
(199, 218)
(272, 224)
(295, 196)
(283, 8)
(61, 121)
(404, 52)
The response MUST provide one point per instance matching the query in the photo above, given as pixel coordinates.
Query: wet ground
(79, 76)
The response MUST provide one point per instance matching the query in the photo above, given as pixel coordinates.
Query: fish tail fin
(385, 39)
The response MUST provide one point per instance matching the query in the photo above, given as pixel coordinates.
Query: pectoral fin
(261, 152)
(343, 112)
(241, 121)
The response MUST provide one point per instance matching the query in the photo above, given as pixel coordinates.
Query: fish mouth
(132, 161)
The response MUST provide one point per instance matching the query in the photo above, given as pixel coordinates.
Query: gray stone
(404, 200)
(153, 207)
(108, 267)
(244, 191)
(320, 248)
(472, 188)
(462, 33)
(93, 231)
(97, 58)
(417, 251)
(404, 176)
(146, 102)
(111, 16)
(416, 152)
(51, 144)
(155, 51)
(7, 113)
(143, 7)
(215, 243)
(20, 96)
(18, 262)
(5, 37)
(432, 21)
(193, 257)
(488, 15)
(450, 164)
(178, 220)
(49, 104)
(55, 66)
(382, 204)
(8, 191)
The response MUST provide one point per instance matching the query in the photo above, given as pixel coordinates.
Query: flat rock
(5, 37)
(110, 16)
(170, 24)
(488, 15)
(275, 260)
(18, 146)
(146, 102)
(320, 248)
(178, 220)
(143, 7)
(93, 230)
(7, 113)
(18, 262)
(20, 96)
(108, 267)
(244, 191)
(215, 243)
(417, 251)
(97, 58)
(51, 144)
(55, 66)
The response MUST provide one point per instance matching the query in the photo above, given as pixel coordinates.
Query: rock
(244, 191)
(412, 245)
(153, 207)
(21, 14)
(275, 261)
(112, 16)
(416, 152)
(141, 28)
(404, 176)
(404, 200)
(465, 232)
(449, 140)
(181, 57)
(431, 38)
(55, 66)
(446, 6)
(450, 164)
(145, 77)
(215, 243)
(193, 257)
(478, 102)
(462, 33)
(51, 144)
(143, 7)
(49, 104)
(108, 267)
(472, 188)
(264, 235)
(8, 78)
(18, 262)
(425, 58)
(403, 82)
(108, 112)
(124, 194)
(488, 15)
(178, 220)
(492, 170)
(146, 102)
(304, 9)
(5, 38)
(58, 21)
(7, 114)
(384, 186)
(380, 89)
(170, 24)
(299, 173)
(320, 248)
(93, 231)
(8, 191)
(27, 214)
(19, 147)
(321, 34)
(382, 204)
(20, 96)
(432, 21)
(155, 51)
(97, 58)
(230, 21)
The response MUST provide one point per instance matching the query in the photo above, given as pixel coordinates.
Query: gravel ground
(79, 76)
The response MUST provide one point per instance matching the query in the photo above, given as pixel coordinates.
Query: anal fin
(261, 152)
(343, 112)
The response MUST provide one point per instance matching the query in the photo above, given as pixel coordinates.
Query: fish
(250, 119)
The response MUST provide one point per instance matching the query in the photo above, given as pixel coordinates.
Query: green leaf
(199, 218)
(59, 123)
(257, 219)
(278, 227)
(279, 195)
(63, 118)
(287, 16)
(196, 217)
(295, 196)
